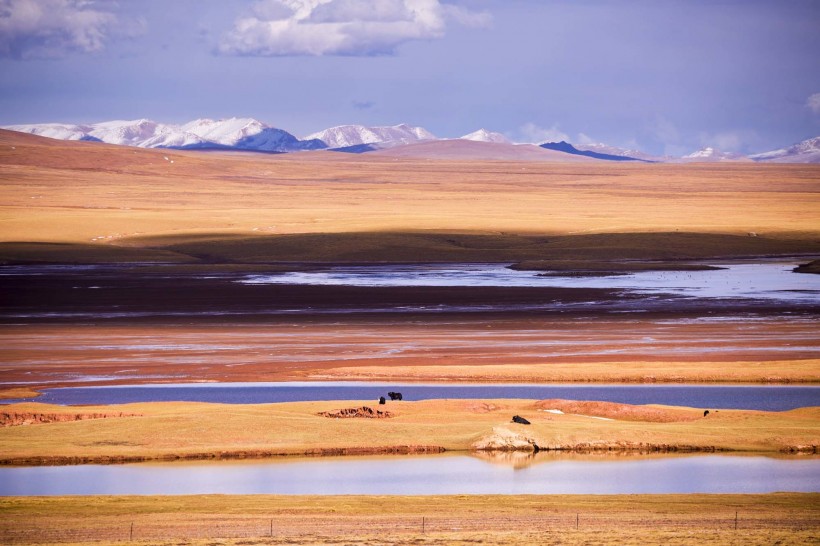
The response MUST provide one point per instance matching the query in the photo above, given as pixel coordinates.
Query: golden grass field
(573, 520)
(171, 430)
(88, 193)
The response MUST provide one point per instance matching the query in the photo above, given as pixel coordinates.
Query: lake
(425, 475)
(760, 397)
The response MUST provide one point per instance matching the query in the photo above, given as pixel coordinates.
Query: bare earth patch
(356, 413)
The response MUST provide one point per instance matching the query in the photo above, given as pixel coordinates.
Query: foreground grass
(197, 430)
(786, 518)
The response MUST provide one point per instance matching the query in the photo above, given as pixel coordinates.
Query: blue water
(759, 281)
(770, 398)
(427, 475)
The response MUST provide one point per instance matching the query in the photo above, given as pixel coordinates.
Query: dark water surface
(770, 398)
(428, 475)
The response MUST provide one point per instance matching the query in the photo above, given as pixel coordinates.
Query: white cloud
(532, 133)
(813, 103)
(340, 27)
(729, 141)
(53, 28)
(585, 140)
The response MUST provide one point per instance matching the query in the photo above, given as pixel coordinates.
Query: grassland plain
(87, 193)
(781, 518)
(176, 430)
(93, 203)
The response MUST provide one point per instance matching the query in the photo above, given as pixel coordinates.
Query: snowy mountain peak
(483, 135)
(344, 136)
(710, 153)
(806, 151)
(236, 133)
(59, 131)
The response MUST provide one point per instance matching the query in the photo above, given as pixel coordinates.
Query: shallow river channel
(517, 473)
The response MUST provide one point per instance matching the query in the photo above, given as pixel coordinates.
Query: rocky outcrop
(504, 439)
(813, 449)
(15, 419)
(354, 413)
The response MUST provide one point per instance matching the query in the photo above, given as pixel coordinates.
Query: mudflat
(453, 348)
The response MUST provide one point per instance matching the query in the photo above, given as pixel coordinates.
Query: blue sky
(663, 76)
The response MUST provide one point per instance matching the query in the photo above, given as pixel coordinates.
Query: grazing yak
(519, 419)
(705, 413)
(394, 395)
(381, 400)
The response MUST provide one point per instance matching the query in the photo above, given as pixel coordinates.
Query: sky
(662, 76)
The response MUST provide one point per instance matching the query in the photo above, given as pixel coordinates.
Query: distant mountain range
(568, 148)
(252, 135)
(226, 134)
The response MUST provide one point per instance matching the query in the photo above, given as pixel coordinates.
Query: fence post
(735, 520)
(422, 524)
(577, 518)
(271, 527)
(131, 533)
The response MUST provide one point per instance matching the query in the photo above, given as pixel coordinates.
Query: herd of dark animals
(392, 395)
(516, 418)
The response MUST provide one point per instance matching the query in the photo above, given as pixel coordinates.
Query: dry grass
(260, 519)
(198, 430)
(775, 371)
(19, 392)
(90, 193)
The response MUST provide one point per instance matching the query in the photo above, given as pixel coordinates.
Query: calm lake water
(428, 475)
(770, 398)
(768, 281)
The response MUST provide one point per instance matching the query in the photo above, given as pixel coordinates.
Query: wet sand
(447, 348)
(114, 325)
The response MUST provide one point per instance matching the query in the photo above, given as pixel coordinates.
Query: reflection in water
(427, 475)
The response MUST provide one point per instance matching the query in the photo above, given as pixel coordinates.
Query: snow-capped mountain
(712, 154)
(807, 151)
(483, 135)
(248, 134)
(59, 131)
(345, 136)
(233, 133)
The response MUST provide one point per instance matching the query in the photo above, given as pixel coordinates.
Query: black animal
(381, 399)
(394, 395)
(519, 419)
(705, 413)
